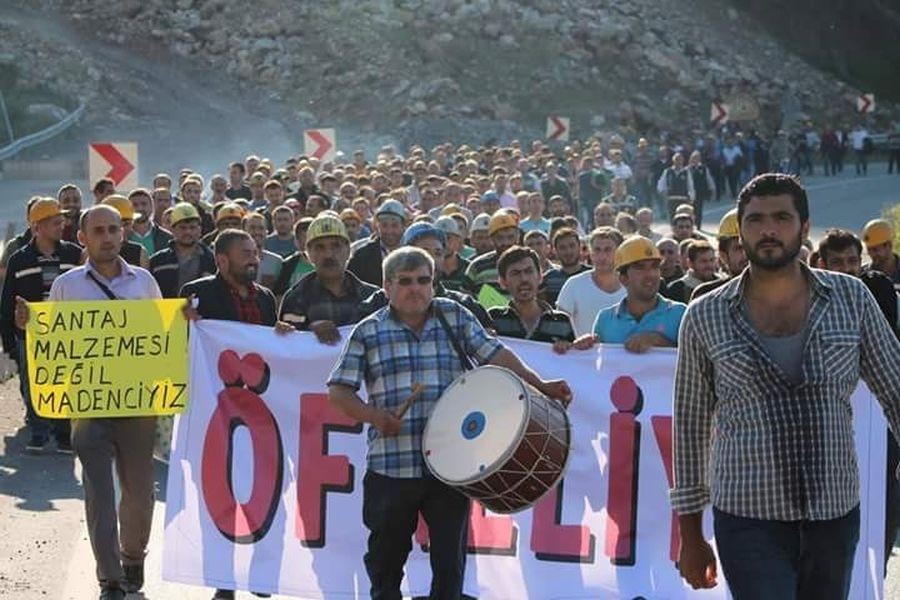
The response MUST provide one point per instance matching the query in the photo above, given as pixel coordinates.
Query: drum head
(475, 425)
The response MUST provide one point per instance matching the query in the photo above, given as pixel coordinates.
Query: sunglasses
(408, 281)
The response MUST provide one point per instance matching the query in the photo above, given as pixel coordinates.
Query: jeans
(390, 511)
(39, 427)
(788, 560)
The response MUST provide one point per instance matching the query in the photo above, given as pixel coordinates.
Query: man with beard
(701, 268)
(771, 360)
(144, 230)
(232, 294)
(732, 258)
(329, 297)
(567, 249)
(526, 317)
(269, 263)
(878, 235)
(643, 319)
(186, 258)
(69, 197)
(390, 220)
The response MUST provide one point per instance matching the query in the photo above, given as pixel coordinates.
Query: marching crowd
(598, 244)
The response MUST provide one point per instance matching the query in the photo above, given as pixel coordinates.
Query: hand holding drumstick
(389, 423)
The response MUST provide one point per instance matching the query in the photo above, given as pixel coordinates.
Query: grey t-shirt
(786, 351)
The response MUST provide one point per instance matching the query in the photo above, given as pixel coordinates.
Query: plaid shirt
(309, 301)
(246, 306)
(390, 358)
(752, 443)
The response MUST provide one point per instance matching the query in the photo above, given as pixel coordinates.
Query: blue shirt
(390, 358)
(615, 324)
(527, 225)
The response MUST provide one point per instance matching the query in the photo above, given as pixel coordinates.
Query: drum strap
(464, 359)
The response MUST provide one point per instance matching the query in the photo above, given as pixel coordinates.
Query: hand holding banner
(118, 358)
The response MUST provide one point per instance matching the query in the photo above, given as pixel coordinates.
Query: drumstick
(416, 391)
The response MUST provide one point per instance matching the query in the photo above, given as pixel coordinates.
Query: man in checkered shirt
(762, 417)
(397, 347)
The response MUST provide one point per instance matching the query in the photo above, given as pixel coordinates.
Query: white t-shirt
(582, 299)
(857, 137)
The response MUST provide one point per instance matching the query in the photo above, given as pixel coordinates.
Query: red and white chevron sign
(718, 113)
(320, 143)
(116, 160)
(558, 128)
(865, 103)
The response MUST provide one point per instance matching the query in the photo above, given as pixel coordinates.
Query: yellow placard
(113, 358)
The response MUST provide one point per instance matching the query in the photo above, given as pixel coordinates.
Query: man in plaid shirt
(762, 417)
(397, 347)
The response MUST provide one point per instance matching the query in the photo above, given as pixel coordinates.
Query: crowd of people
(600, 243)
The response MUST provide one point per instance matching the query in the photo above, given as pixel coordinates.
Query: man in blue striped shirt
(400, 346)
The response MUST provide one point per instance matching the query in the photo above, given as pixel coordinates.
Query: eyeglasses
(408, 281)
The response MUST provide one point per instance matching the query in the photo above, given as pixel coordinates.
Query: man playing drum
(409, 349)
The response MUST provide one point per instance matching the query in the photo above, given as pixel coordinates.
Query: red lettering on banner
(491, 534)
(497, 535)
(237, 406)
(319, 472)
(553, 541)
(662, 431)
(624, 461)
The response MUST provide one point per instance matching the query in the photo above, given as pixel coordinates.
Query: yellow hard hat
(328, 225)
(121, 204)
(184, 211)
(43, 208)
(728, 226)
(877, 232)
(635, 249)
(229, 210)
(502, 220)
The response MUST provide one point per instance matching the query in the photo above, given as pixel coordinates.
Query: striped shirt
(390, 358)
(748, 440)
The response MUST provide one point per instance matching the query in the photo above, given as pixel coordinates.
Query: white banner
(287, 516)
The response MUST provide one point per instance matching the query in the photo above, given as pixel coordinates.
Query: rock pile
(382, 64)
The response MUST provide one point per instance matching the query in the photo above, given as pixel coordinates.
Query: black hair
(226, 239)
(836, 240)
(774, 184)
(514, 254)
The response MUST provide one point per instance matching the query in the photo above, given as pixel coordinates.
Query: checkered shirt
(753, 444)
(390, 358)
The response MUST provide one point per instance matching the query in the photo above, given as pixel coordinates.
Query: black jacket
(24, 278)
(214, 300)
(164, 267)
(366, 262)
(379, 300)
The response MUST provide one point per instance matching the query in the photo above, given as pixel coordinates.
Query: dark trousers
(117, 536)
(788, 560)
(39, 427)
(733, 175)
(892, 498)
(862, 162)
(390, 511)
(894, 160)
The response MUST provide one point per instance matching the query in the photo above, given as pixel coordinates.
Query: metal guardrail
(43, 135)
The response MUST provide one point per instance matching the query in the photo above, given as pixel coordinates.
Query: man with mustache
(329, 297)
(526, 317)
(732, 258)
(643, 319)
(762, 423)
(416, 339)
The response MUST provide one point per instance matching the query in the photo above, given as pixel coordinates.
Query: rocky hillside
(432, 69)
